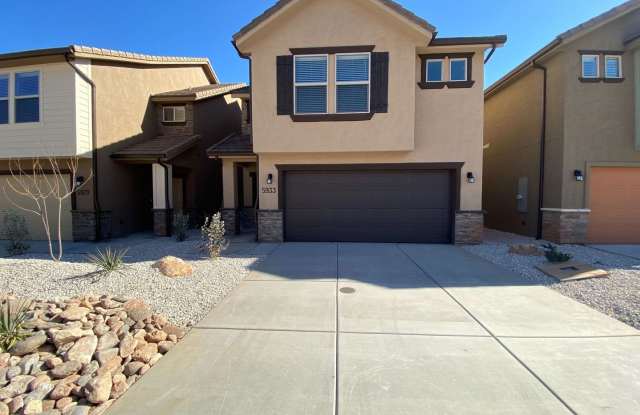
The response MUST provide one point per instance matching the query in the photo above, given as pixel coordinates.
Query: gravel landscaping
(617, 296)
(184, 301)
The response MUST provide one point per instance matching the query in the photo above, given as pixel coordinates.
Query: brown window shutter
(285, 84)
(380, 82)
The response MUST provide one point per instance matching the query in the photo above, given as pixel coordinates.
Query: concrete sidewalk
(389, 329)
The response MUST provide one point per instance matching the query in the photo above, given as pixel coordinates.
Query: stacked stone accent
(181, 128)
(162, 222)
(469, 226)
(230, 219)
(270, 226)
(565, 227)
(84, 225)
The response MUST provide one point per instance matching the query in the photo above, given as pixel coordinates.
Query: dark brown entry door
(412, 206)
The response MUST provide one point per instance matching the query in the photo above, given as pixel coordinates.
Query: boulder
(165, 346)
(107, 341)
(39, 380)
(12, 372)
(173, 267)
(16, 404)
(98, 389)
(171, 329)
(127, 345)
(104, 356)
(30, 344)
(145, 353)
(63, 403)
(66, 369)
(68, 335)
(525, 249)
(156, 336)
(52, 362)
(83, 349)
(137, 310)
(62, 390)
(74, 313)
(132, 368)
(101, 329)
(39, 393)
(18, 386)
(119, 386)
(32, 407)
(111, 366)
(28, 362)
(90, 369)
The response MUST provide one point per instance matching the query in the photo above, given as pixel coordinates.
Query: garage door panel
(368, 206)
(615, 205)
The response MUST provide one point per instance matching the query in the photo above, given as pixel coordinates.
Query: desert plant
(552, 254)
(213, 241)
(16, 232)
(180, 226)
(108, 261)
(13, 314)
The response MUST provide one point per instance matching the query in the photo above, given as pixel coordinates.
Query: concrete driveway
(393, 329)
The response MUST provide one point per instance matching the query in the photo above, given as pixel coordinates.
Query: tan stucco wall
(318, 23)
(126, 116)
(600, 117)
(421, 125)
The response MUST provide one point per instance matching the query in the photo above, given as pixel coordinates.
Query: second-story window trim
(26, 97)
(313, 85)
(613, 72)
(4, 99)
(590, 66)
(447, 80)
(174, 114)
(601, 66)
(357, 81)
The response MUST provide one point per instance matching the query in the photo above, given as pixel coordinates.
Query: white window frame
(426, 70)
(466, 69)
(12, 93)
(303, 84)
(368, 83)
(619, 59)
(173, 108)
(8, 97)
(582, 60)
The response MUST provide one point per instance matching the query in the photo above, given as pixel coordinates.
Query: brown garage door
(615, 205)
(368, 206)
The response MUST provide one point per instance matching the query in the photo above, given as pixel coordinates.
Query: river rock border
(82, 354)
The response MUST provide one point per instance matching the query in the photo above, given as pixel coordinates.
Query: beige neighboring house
(140, 123)
(576, 101)
(365, 126)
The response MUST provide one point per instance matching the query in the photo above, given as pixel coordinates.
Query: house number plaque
(268, 190)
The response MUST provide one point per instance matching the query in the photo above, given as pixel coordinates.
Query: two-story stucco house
(562, 136)
(364, 126)
(139, 123)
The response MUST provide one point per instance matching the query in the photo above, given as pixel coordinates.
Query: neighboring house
(586, 123)
(365, 126)
(136, 132)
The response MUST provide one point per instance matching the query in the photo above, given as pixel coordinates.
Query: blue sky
(205, 27)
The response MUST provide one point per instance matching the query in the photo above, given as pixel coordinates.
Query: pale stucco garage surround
(387, 328)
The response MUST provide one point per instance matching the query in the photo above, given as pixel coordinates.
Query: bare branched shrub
(180, 226)
(213, 240)
(44, 181)
(16, 232)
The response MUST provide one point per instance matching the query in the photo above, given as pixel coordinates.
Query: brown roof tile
(233, 145)
(199, 92)
(161, 147)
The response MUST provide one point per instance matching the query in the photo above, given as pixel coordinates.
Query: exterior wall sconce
(578, 175)
(269, 178)
(471, 178)
(79, 180)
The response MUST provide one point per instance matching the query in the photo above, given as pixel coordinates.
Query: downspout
(167, 206)
(543, 139)
(94, 145)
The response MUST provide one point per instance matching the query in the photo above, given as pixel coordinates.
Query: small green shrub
(212, 232)
(552, 254)
(16, 232)
(180, 226)
(13, 314)
(108, 261)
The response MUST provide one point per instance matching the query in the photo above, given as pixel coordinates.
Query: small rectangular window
(4, 99)
(310, 84)
(435, 70)
(27, 97)
(174, 114)
(613, 66)
(352, 83)
(458, 69)
(590, 66)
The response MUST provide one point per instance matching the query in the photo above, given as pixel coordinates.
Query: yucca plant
(108, 261)
(13, 314)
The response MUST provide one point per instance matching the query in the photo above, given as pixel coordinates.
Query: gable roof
(563, 38)
(89, 52)
(197, 93)
(273, 10)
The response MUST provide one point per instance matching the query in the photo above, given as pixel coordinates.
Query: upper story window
(590, 66)
(613, 66)
(352, 83)
(27, 97)
(174, 114)
(435, 70)
(4, 99)
(310, 84)
(458, 69)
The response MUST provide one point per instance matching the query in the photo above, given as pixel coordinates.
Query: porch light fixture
(578, 175)
(269, 178)
(471, 178)
(79, 180)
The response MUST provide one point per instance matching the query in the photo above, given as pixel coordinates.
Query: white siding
(83, 109)
(55, 134)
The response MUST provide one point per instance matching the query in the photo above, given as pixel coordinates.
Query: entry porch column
(162, 175)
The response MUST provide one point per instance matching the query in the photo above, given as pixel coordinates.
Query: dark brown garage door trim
(454, 167)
